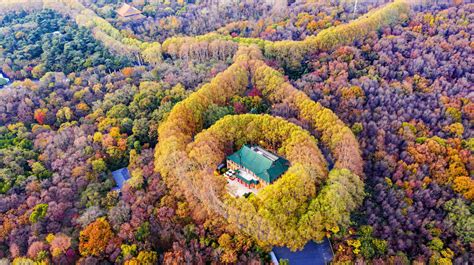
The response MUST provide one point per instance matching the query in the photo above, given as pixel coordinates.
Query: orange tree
(94, 238)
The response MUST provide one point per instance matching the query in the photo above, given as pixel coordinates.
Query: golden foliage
(298, 206)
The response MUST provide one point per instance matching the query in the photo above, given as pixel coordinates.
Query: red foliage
(255, 92)
(40, 115)
(239, 108)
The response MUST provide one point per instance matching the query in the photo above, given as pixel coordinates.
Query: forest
(370, 101)
(34, 44)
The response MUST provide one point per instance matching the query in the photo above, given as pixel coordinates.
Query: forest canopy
(34, 44)
(369, 101)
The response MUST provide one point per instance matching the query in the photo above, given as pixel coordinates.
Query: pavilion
(256, 167)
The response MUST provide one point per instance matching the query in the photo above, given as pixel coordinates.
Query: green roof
(262, 163)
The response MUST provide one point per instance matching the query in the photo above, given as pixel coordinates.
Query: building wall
(234, 166)
(231, 165)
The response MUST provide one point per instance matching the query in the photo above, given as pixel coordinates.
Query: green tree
(119, 111)
(39, 212)
(143, 232)
(99, 165)
(460, 217)
(40, 171)
(436, 244)
(357, 128)
(215, 113)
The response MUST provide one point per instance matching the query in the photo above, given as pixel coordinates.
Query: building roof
(127, 11)
(262, 163)
(312, 254)
(121, 176)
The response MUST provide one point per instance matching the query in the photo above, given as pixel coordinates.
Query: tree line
(180, 141)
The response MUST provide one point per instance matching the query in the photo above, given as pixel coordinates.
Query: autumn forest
(117, 119)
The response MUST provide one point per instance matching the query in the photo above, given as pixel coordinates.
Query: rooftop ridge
(263, 163)
(259, 150)
(127, 10)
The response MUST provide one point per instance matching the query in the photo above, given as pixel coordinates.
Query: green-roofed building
(256, 166)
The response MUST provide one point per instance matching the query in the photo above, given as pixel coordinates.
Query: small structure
(221, 167)
(312, 254)
(3, 80)
(129, 12)
(120, 176)
(256, 167)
